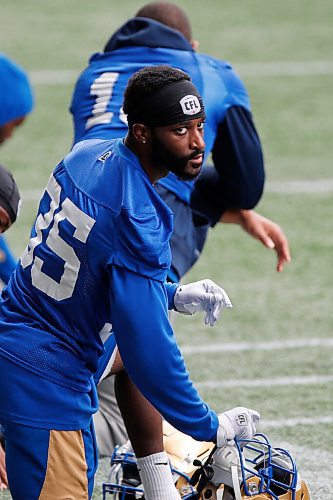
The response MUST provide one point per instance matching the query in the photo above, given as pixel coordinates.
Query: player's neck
(142, 151)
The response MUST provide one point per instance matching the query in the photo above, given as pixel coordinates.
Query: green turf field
(274, 350)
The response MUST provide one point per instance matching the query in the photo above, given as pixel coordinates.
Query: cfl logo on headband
(190, 105)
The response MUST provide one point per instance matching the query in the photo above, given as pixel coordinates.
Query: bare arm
(3, 475)
(259, 227)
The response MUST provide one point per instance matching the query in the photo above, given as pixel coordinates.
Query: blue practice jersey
(98, 256)
(98, 96)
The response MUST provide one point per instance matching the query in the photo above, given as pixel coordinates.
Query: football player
(9, 205)
(16, 102)
(93, 276)
(160, 33)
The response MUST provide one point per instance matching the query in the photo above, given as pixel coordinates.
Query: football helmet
(124, 482)
(249, 469)
(254, 469)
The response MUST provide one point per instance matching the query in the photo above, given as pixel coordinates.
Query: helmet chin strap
(235, 482)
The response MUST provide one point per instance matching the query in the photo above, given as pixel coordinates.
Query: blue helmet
(245, 469)
(124, 480)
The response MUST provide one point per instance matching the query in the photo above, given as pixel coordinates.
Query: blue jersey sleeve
(238, 177)
(171, 290)
(237, 156)
(151, 356)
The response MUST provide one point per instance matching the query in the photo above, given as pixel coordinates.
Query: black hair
(169, 14)
(148, 80)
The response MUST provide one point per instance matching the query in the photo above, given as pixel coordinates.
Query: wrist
(182, 303)
(225, 431)
(244, 216)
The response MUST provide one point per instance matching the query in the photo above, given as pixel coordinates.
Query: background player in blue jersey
(161, 33)
(16, 102)
(9, 203)
(92, 276)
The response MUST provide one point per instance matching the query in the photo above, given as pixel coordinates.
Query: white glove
(202, 295)
(239, 422)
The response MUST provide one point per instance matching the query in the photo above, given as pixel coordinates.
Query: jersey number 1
(102, 88)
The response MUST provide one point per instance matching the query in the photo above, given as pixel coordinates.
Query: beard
(162, 156)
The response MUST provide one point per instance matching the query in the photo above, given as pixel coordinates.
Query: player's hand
(239, 422)
(3, 474)
(202, 295)
(269, 233)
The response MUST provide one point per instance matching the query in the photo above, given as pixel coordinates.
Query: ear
(141, 132)
(195, 44)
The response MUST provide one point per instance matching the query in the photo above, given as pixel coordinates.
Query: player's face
(179, 148)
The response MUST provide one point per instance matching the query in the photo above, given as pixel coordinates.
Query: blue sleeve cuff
(171, 290)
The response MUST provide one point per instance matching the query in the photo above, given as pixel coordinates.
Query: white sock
(157, 478)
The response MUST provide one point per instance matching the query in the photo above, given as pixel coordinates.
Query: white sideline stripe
(278, 68)
(54, 77)
(300, 187)
(264, 382)
(256, 346)
(323, 186)
(294, 422)
(285, 68)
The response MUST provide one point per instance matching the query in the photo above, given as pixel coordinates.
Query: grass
(292, 114)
